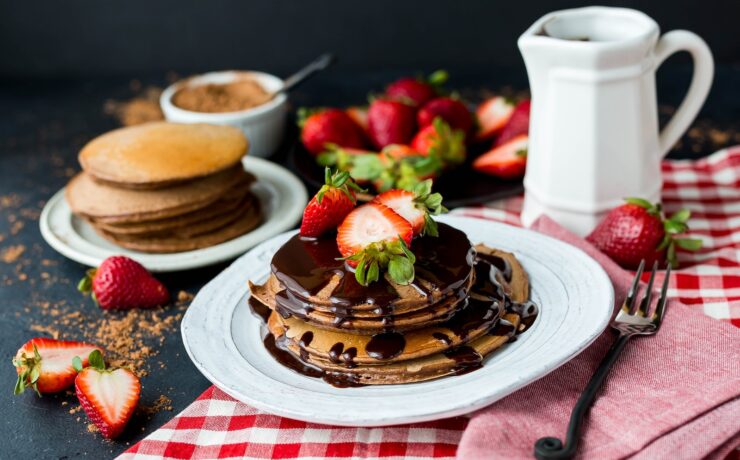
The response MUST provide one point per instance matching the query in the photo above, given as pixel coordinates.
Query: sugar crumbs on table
(160, 404)
(141, 109)
(11, 254)
(91, 428)
(184, 297)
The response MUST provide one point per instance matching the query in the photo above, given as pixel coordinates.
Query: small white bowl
(263, 125)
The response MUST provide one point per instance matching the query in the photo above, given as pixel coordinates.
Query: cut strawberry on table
(45, 365)
(390, 122)
(517, 124)
(638, 230)
(508, 161)
(452, 111)
(108, 396)
(492, 115)
(359, 116)
(328, 208)
(329, 126)
(372, 238)
(123, 283)
(439, 139)
(415, 206)
(415, 90)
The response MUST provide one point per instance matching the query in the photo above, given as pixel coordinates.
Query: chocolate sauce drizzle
(305, 266)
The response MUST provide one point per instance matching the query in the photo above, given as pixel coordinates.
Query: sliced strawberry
(329, 126)
(390, 122)
(123, 283)
(439, 140)
(517, 124)
(359, 116)
(108, 396)
(46, 364)
(374, 238)
(507, 161)
(492, 114)
(415, 206)
(330, 205)
(452, 111)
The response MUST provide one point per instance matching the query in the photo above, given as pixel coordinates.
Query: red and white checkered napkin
(216, 426)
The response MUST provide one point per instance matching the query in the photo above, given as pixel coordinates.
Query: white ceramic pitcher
(594, 123)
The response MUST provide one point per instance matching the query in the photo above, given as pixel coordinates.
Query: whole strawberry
(328, 208)
(450, 110)
(329, 126)
(637, 230)
(390, 122)
(123, 283)
(416, 91)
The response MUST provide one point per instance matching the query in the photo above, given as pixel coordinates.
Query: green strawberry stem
(395, 257)
(31, 373)
(340, 180)
(94, 360)
(430, 203)
(438, 77)
(450, 143)
(672, 226)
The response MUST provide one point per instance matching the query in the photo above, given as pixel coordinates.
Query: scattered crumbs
(2, 237)
(160, 404)
(184, 297)
(91, 428)
(75, 410)
(142, 108)
(48, 262)
(10, 254)
(17, 227)
(10, 201)
(65, 403)
(45, 330)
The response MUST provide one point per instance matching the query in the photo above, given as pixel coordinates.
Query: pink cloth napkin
(670, 396)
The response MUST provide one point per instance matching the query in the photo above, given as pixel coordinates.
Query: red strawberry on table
(507, 161)
(416, 91)
(492, 114)
(372, 238)
(390, 122)
(46, 364)
(123, 283)
(108, 396)
(517, 124)
(439, 140)
(415, 206)
(638, 230)
(329, 126)
(328, 208)
(454, 112)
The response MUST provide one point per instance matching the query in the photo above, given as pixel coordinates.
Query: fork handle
(552, 448)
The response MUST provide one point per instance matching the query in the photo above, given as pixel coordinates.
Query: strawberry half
(638, 230)
(374, 238)
(440, 140)
(415, 206)
(108, 396)
(517, 124)
(329, 207)
(122, 283)
(492, 114)
(508, 161)
(46, 364)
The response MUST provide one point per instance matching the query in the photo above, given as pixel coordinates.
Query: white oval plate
(280, 192)
(223, 339)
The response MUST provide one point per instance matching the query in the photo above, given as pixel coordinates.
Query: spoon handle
(318, 64)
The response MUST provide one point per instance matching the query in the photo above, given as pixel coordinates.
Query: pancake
(452, 362)
(109, 204)
(243, 224)
(161, 154)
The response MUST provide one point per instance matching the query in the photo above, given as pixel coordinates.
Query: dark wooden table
(43, 124)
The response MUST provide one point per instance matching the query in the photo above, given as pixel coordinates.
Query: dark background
(60, 61)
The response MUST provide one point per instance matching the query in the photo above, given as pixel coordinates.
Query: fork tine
(660, 308)
(645, 304)
(629, 301)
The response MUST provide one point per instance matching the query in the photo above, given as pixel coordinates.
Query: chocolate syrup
(442, 337)
(303, 343)
(260, 309)
(386, 345)
(466, 359)
(335, 352)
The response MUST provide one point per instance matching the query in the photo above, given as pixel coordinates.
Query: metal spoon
(315, 66)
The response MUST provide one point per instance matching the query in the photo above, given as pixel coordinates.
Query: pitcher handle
(701, 81)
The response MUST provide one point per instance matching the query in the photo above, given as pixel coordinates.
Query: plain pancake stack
(166, 187)
(464, 303)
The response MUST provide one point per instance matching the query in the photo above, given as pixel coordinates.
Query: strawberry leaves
(95, 360)
(31, 373)
(395, 257)
(430, 203)
(340, 180)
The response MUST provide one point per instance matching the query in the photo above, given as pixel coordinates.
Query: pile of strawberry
(375, 237)
(413, 132)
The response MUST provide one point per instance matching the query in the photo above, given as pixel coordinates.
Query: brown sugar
(12, 253)
(238, 95)
(141, 109)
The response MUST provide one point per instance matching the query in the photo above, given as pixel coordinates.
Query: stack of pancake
(166, 187)
(464, 303)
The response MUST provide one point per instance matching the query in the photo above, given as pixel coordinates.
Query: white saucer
(280, 192)
(222, 337)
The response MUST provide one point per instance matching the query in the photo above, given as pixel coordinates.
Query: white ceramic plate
(223, 339)
(281, 194)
